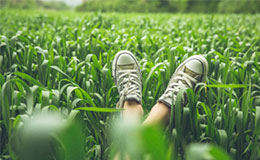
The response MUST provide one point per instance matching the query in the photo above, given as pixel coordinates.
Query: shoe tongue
(126, 66)
(191, 73)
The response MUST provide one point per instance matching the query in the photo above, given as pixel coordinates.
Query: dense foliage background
(186, 6)
(197, 6)
(60, 61)
(34, 4)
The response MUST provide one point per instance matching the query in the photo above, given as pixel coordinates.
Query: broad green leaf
(60, 71)
(227, 86)
(257, 119)
(28, 78)
(97, 109)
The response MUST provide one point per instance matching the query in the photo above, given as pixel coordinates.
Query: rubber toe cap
(125, 59)
(195, 66)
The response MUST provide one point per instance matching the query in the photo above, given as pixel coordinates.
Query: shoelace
(183, 80)
(130, 85)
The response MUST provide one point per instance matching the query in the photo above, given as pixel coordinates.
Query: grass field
(60, 61)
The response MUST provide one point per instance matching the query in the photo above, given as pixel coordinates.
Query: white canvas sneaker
(190, 72)
(127, 76)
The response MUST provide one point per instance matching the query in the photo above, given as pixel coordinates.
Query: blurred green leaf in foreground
(48, 137)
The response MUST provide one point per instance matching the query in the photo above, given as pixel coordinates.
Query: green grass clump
(62, 61)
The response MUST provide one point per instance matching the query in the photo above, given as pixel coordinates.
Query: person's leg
(133, 111)
(191, 72)
(159, 114)
(127, 76)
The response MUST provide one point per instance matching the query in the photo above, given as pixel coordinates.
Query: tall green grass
(61, 62)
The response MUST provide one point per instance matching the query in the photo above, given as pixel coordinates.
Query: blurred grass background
(173, 6)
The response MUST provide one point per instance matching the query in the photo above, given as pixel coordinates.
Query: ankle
(132, 113)
(131, 103)
(133, 107)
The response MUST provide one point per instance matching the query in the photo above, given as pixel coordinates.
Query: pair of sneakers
(128, 79)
